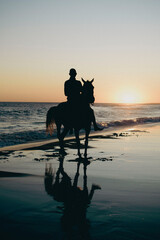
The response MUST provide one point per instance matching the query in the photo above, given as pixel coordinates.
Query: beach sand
(114, 194)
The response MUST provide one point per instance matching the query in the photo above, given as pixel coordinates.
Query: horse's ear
(92, 80)
(83, 80)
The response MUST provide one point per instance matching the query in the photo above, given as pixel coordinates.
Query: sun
(129, 98)
(127, 95)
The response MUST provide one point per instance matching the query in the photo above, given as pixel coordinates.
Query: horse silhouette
(75, 115)
(75, 199)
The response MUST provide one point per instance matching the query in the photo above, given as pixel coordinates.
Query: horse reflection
(76, 200)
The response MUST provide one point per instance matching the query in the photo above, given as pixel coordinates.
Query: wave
(128, 122)
(8, 139)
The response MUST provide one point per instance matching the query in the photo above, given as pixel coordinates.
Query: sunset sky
(117, 42)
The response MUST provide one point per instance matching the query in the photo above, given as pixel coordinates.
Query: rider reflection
(76, 200)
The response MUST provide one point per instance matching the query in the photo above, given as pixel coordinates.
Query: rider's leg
(93, 119)
(94, 187)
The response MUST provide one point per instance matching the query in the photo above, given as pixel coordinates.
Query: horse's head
(88, 91)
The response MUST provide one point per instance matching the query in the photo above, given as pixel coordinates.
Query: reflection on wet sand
(75, 200)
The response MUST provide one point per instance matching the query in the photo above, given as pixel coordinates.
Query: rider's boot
(96, 128)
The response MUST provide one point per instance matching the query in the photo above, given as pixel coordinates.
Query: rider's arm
(65, 89)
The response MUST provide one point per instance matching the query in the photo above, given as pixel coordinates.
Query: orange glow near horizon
(54, 92)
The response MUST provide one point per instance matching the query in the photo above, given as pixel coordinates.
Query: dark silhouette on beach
(76, 113)
(76, 200)
(73, 89)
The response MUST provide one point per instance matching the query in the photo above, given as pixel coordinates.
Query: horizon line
(93, 103)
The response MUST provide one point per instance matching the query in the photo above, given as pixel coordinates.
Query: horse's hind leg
(61, 138)
(78, 142)
(58, 130)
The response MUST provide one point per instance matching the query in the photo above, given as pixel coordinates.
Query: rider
(73, 90)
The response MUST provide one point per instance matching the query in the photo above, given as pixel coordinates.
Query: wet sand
(114, 194)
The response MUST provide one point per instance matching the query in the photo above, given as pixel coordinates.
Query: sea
(23, 122)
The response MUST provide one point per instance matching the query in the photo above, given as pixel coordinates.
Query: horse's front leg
(86, 142)
(78, 142)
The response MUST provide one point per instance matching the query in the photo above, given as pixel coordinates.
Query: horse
(77, 118)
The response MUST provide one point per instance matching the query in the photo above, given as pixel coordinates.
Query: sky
(116, 42)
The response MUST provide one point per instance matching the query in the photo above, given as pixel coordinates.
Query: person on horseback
(73, 90)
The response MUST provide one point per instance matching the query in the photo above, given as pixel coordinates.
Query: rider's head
(72, 72)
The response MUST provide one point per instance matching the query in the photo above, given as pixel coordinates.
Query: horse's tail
(50, 120)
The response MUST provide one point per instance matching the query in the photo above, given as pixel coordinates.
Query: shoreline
(42, 143)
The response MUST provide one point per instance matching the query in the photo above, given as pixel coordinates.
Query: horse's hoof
(62, 152)
(86, 162)
(98, 128)
(96, 187)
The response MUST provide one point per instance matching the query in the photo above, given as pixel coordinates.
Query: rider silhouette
(73, 90)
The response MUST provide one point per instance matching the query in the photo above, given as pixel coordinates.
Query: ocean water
(25, 122)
